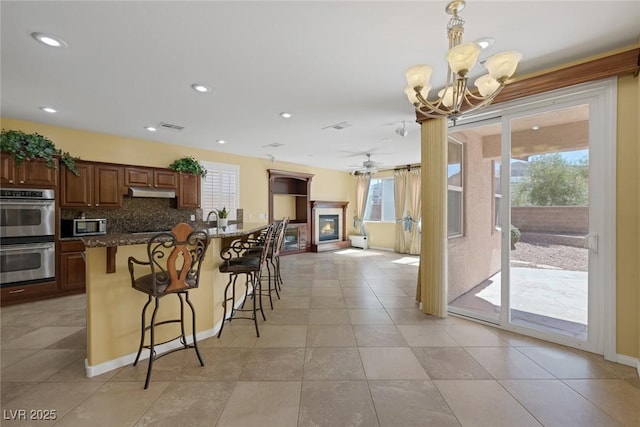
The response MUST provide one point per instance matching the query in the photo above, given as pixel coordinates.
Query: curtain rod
(407, 167)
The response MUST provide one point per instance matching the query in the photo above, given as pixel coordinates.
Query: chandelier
(456, 98)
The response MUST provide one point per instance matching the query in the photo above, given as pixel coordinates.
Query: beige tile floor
(344, 346)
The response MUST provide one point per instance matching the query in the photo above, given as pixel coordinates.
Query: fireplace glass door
(328, 228)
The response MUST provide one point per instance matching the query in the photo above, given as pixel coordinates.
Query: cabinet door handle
(21, 182)
(97, 205)
(10, 181)
(17, 291)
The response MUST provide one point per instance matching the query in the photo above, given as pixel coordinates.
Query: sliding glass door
(530, 253)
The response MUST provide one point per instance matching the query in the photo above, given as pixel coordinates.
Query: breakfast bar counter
(114, 307)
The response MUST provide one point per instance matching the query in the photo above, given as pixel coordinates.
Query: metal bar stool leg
(279, 281)
(152, 350)
(231, 282)
(183, 335)
(269, 286)
(144, 330)
(193, 320)
(275, 277)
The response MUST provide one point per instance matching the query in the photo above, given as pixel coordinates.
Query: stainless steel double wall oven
(27, 232)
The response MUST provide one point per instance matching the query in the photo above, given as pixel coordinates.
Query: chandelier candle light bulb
(455, 98)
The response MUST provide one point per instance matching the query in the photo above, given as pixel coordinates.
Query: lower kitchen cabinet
(72, 276)
(26, 293)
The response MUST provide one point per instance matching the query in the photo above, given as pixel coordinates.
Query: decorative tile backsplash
(137, 214)
(144, 214)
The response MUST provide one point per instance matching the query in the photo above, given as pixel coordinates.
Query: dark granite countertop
(123, 239)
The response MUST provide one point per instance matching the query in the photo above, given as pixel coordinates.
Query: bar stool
(174, 261)
(275, 254)
(236, 264)
(273, 257)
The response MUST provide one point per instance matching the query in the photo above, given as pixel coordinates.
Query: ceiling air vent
(274, 145)
(338, 126)
(170, 126)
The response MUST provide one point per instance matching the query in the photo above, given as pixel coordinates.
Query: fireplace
(329, 228)
(328, 225)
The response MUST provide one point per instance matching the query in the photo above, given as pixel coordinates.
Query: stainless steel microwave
(83, 227)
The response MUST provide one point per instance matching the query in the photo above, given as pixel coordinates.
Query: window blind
(220, 188)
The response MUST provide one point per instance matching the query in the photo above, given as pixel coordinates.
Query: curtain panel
(400, 189)
(414, 211)
(362, 193)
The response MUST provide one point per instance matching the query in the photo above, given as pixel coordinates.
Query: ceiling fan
(368, 167)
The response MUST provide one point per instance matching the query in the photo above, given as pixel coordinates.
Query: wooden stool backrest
(181, 270)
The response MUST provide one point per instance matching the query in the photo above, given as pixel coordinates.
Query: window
(220, 188)
(455, 205)
(380, 203)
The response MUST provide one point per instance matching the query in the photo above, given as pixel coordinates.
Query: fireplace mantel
(317, 207)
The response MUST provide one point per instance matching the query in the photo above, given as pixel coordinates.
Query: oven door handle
(4, 248)
(8, 202)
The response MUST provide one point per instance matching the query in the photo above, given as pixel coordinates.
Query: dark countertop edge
(124, 239)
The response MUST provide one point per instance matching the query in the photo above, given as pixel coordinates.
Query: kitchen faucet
(212, 213)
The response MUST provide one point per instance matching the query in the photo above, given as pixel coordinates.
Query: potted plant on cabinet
(23, 146)
(188, 165)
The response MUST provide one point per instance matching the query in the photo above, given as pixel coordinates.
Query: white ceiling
(131, 64)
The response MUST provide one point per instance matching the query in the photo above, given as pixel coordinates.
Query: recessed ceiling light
(49, 109)
(485, 42)
(536, 127)
(286, 115)
(150, 128)
(49, 40)
(221, 141)
(198, 87)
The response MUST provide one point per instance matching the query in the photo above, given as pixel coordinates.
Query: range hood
(157, 193)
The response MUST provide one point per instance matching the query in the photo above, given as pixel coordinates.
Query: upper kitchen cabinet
(30, 173)
(188, 191)
(149, 177)
(98, 185)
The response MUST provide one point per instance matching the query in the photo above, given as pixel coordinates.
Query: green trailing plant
(222, 213)
(188, 165)
(29, 146)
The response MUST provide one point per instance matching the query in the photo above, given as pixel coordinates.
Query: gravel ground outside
(536, 253)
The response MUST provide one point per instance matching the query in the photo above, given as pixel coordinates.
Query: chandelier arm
(485, 102)
(431, 106)
(482, 98)
(459, 94)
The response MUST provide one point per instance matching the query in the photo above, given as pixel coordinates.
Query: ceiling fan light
(418, 76)
(463, 57)
(502, 65)
(486, 85)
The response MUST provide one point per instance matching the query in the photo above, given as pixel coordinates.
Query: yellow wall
(628, 218)
(327, 184)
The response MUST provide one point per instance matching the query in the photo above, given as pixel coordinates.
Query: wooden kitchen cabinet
(98, 185)
(30, 173)
(149, 177)
(72, 275)
(188, 191)
(26, 293)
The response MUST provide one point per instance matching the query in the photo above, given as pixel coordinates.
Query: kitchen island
(114, 308)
